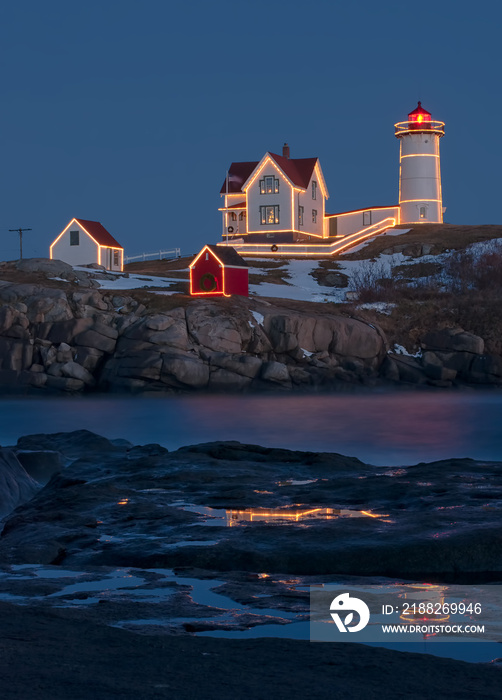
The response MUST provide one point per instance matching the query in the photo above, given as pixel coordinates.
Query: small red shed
(218, 271)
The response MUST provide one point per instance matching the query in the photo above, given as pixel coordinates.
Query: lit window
(269, 215)
(74, 237)
(423, 212)
(314, 189)
(269, 185)
(314, 216)
(366, 218)
(300, 216)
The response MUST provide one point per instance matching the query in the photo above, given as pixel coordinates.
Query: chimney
(285, 151)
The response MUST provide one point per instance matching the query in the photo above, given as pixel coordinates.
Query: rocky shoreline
(126, 536)
(64, 335)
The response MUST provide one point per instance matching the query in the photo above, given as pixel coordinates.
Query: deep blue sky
(130, 112)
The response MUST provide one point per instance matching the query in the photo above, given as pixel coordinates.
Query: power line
(20, 231)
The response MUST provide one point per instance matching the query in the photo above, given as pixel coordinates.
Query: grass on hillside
(466, 292)
(440, 237)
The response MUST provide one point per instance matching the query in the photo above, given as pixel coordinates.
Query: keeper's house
(277, 200)
(83, 242)
(218, 271)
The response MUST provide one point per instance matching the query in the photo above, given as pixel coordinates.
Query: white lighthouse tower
(420, 198)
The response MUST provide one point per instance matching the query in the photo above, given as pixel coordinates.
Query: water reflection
(288, 514)
(383, 429)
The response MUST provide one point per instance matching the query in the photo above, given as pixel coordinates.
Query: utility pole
(20, 231)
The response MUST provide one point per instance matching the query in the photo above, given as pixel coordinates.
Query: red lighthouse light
(420, 118)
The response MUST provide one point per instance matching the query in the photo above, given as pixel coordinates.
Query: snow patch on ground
(137, 282)
(401, 350)
(259, 318)
(381, 307)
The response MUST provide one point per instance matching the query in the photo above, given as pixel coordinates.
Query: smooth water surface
(382, 429)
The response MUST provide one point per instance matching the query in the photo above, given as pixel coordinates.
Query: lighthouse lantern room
(420, 197)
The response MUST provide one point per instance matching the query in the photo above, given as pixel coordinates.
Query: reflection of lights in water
(425, 593)
(296, 482)
(236, 517)
(289, 514)
(123, 502)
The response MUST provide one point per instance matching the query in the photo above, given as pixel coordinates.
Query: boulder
(48, 305)
(210, 326)
(161, 322)
(434, 368)
(65, 331)
(90, 298)
(245, 365)
(40, 464)
(226, 380)
(389, 369)
(7, 316)
(410, 370)
(33, 378)
(16, 485)
(453, 340)
(485, 369)
(176, 336)
(54, 370)
(63, 383)
(145, 366)
(64, 353)
(88, 358)
(283, 331)
(52, 268)
(73, 370)
(186, 369)
(276, 372)
(15, 354)
(92, 338)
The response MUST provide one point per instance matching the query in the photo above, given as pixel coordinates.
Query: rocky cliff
(72, 337)
(59, 332)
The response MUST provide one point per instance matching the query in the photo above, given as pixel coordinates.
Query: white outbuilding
(83, 242)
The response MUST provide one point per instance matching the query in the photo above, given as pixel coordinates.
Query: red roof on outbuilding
(99, 233)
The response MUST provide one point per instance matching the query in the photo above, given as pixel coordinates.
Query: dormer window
(269, 185)
(314, 189)
(74, 237)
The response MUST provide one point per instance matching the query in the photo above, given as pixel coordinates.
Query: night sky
(129, 113)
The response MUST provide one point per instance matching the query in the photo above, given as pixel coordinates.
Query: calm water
(382, 429)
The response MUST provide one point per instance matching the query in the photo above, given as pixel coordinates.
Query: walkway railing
(158, 255)
(292, 249)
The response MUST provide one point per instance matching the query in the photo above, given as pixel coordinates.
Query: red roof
(298, 170)
(237, 176)
(240, 205)
(99, 233)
